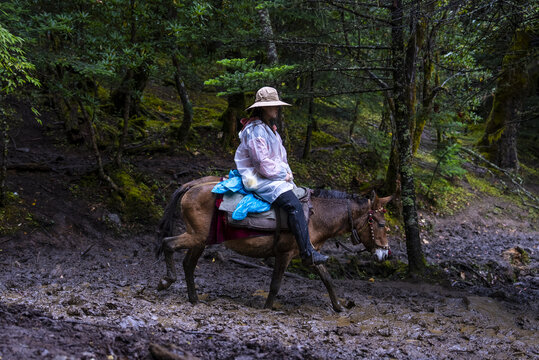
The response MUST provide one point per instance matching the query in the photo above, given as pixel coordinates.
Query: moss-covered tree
(500, 137)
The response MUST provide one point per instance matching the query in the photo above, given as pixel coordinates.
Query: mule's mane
(335, 194)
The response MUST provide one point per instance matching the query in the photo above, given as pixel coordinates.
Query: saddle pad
(266, 220)
(220, 231)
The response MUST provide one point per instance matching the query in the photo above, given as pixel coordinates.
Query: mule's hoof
(193, 301)
(338, 307)
(164, 284)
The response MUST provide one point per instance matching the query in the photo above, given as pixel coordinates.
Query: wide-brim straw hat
(267, 96)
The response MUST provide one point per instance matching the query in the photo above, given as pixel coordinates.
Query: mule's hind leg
(281, 263)
(189, 264)
(170, 245)
(171, 276)
(326, 279)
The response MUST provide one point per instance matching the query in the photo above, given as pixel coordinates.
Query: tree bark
(184, 97)
(354, 120)
(403, 77)
(236, 107)
(3, 170)
(126, 112)
(507, 157)
(499, 139)
(427, 98)
(267, 34)
(89, 122)
(310, 121)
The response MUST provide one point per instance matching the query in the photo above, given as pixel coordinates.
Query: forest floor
(76, 285)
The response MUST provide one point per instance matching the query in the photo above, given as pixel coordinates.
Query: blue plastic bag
(249, 203)
(233, 183)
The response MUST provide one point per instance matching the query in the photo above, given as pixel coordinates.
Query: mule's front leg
(171, 276)
(281, 263)
(189, 264)
(326, 279)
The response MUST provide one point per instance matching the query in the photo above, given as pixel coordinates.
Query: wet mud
(57, 304)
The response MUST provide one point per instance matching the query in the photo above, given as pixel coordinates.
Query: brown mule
(335, 213)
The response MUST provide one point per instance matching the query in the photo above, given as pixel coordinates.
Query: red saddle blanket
(221, 231)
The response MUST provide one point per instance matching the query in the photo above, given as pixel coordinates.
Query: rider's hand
(288, 177)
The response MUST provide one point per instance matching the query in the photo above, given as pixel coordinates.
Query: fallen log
(30, 167)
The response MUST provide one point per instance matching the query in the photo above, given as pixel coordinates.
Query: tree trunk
(3, 171)
(385, 124)
(184, 97)
(402, 78)
(427, 100)
(507, 157)
(510, 86)
(133, 83)
(236, 107)
(310, 120)
(89, 123)
(310, 124)
(428, 94)
(126, 111)
(392, 172)
(267, 34)
(354, 120)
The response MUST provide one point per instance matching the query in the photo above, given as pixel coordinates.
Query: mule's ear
(373, 197)
(381, 202)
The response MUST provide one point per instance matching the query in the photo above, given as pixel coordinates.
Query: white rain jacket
(261, 161)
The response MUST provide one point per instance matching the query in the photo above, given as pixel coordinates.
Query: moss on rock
(138, 202)
(14, 216)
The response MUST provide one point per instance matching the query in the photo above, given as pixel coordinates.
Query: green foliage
(243, 75)
(443, 195)
(320, 138)
(450, 163)
(15, 70)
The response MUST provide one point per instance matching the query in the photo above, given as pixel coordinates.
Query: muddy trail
(79, 285)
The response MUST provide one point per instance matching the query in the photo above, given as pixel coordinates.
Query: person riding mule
(262, 159)
(262, 163)
(334, 214)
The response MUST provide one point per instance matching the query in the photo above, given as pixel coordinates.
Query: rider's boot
(309, 256)
(298, 226)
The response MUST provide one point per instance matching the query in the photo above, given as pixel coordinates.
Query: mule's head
(372, 228)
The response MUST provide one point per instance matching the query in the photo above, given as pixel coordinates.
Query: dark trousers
(296, 220)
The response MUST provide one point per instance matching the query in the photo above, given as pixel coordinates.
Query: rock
(113, 218)
(88, 356)
(130, 322)
(457, 348)
(73, 311)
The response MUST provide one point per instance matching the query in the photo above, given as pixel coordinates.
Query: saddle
(271, 220)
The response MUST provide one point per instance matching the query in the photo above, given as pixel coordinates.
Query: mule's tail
(166, 225)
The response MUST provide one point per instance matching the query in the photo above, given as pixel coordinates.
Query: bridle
(369, 220)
